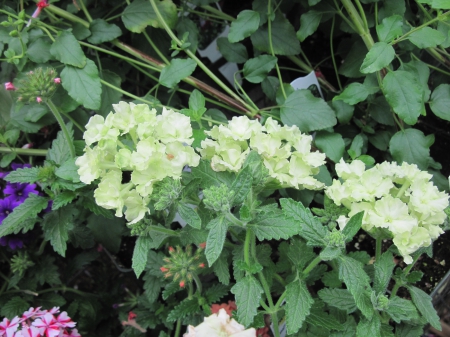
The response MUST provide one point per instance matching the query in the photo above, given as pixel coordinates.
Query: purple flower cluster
(14, 195)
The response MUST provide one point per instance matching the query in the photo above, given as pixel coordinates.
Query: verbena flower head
(286, 152)
(134, 139)
(399, 199)
(38, 85)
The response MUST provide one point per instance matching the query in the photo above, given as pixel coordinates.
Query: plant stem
(218, 13)
(126, 93)
(58, 117)
(248, 238)
(66, 15)
(378, 246)
(198, 283)
(269, 29)
(332, 53)
(155, 48)
(311, 266)
(85, 11)
(178, 328)
(25, 152)
(308, 69)
(405, 272)
(359, 23)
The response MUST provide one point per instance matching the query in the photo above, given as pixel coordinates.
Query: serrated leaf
(427, 37)
(241, 186)
(298, 305)
(353, 94)
(410, 146)
(152, 287)
(339, 298)
(404, 95)
(321, 319)
(401, 310)
(103, 31)
(83, 85)
(221, 268)
(357, 282)
(440, 101)
(139, 14)
(247, 292)
(62, 199)
(284, 40)
(16, 220)
(256, 69)
(209, 177)
(67, 50)
(379, 56)
(383, 272)
(311, 228)
(330, 253)
(59, 152)
(68, 171)
(140, 254)
(186, 307)
(189, 215)
(423, 303)
(177, 70)
(390, 28)
(353, 226)
(56, 227)
(16, 306)
(246, 23)
(23, 175)
(309, 113)
(232, 52)
(309, 22)
(369, 327)
(274, 225)
(216, 292)
(216, 238)
(408, 330)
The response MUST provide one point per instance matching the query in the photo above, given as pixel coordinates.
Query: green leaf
(29, 209)
(216, 238)
(357, 281)
(404, 95)
(189, 215)
(321, 319)
(440, 101)
(247, 292)
(68, 170)
(232, 52)
(246, 23)
(139, 14)
(67, 50)
(309, 113)
(309, 22)
(379, 56)
(80, 31)
(423, 303)
(177, 70)
(56, 225)
(338, 298)
(103, 31)
(39, 50)
(59, 152)
(256, 69)
(187, 25)
(284, 40)
(210, 177)
(140, 254)
(216, 292)
(311, 228)
(370, 328)
(269, 87)
(241, 186)
(16, 306)
(83, 85)
(107, 231)
(441, 4)
(353, 226)
(273, 224)
(383, 272)
(109, 95)
(298, 305)
(330, 253)
(410, 146)
(23, 175)
(197, 104)
(401, 310)
(186, 307)
(353, 60)
(390, 28)
(19, 119)
(344, 111)
(221, 269)
(427, 37)
(353, 94)
(407, 330)
(62, 199)
(380, 111)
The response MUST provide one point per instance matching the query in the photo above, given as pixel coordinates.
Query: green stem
(248, 239)
(363, 14)
(178, 328)
(265, 306)
(235, 221)
(378, 245)
(359, 23)
(163, 230)
(308, 69)
(66, 15)
(126, 93)
(198, 283)
(332, 53)
(281, 299)
(25, 152)
(58, 117)
(63, 289)
(311, 266)
(269, 29)
(219, 13)
(155, 48)
(405, 272)
(85, 11)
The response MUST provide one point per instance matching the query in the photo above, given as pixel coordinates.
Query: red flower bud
(131, 315)
(38, 99)
(171, 249)
(163, 269)
(201, 265)
(9, 86)
(42, 4)
(182, 284)
(202, 245)
(57, 80)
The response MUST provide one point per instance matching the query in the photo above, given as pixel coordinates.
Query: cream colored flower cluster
(137, 140)
(400, 198)
(286, 152)
(219, 325)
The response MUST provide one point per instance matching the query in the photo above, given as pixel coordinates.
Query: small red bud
(201, 265)
(9, 86)
(202, 245)
(171, 249)
(163, 269)
(131, 315)
(42, 4)
(57, 80)
(38, 99)
(182, 284)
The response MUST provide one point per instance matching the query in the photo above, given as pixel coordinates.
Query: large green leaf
(67, 50)
(427, 37)
(284, 40)
(309, 22)
(256, 69)
(274, 225)
(370, 328)
(423, 303)
(298, 305)
(390, 28)
(216, 238)
(178, 69)
(401, 310)
(103, 31)
(339, 298)
(140, 254)
(56, 227)
(441, 4)
(404, 95)
(379, 56)
(309, 113)
(331, 143)
(83, 85)
(39, 50)
(139, 14)
(383, 272)
(353, 94)
(246, 23)
(247, 292)
(233, 52)
(440, 101)
(189, 215)
(411, 146)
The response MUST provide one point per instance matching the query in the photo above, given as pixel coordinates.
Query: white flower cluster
(400, 198)
(219, 325)
(134, 139)
(285, 150)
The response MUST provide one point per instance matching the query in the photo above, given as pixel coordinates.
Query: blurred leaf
(309, 22)
(410, 146)
(67, 50)
(256, 69)
(177, 70)
(246, 23)
(427, 37)
(233, 52)
(440, 101)
(332, 144)
(298, 304)
(390, 28)
(247, 292)
(56, 225)
(103, 31)
(139, 14)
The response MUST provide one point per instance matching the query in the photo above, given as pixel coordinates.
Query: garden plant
(149, 190)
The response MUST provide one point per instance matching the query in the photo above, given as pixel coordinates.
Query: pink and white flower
(48, 326)
(8, 328)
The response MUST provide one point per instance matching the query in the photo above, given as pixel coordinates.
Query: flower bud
(38, 85)
(38, 99)
(10, 86)
(163, 269)
(201, 265)
(202, 245)
(182, 284)
(57, 80)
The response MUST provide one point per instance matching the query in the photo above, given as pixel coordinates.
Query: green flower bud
(336, 239)
(166, 192)
(39, 85)
(218, 198)
(21, 262)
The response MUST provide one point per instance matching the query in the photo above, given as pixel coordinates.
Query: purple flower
(7, 205)
(19, 191)
(12, 241)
